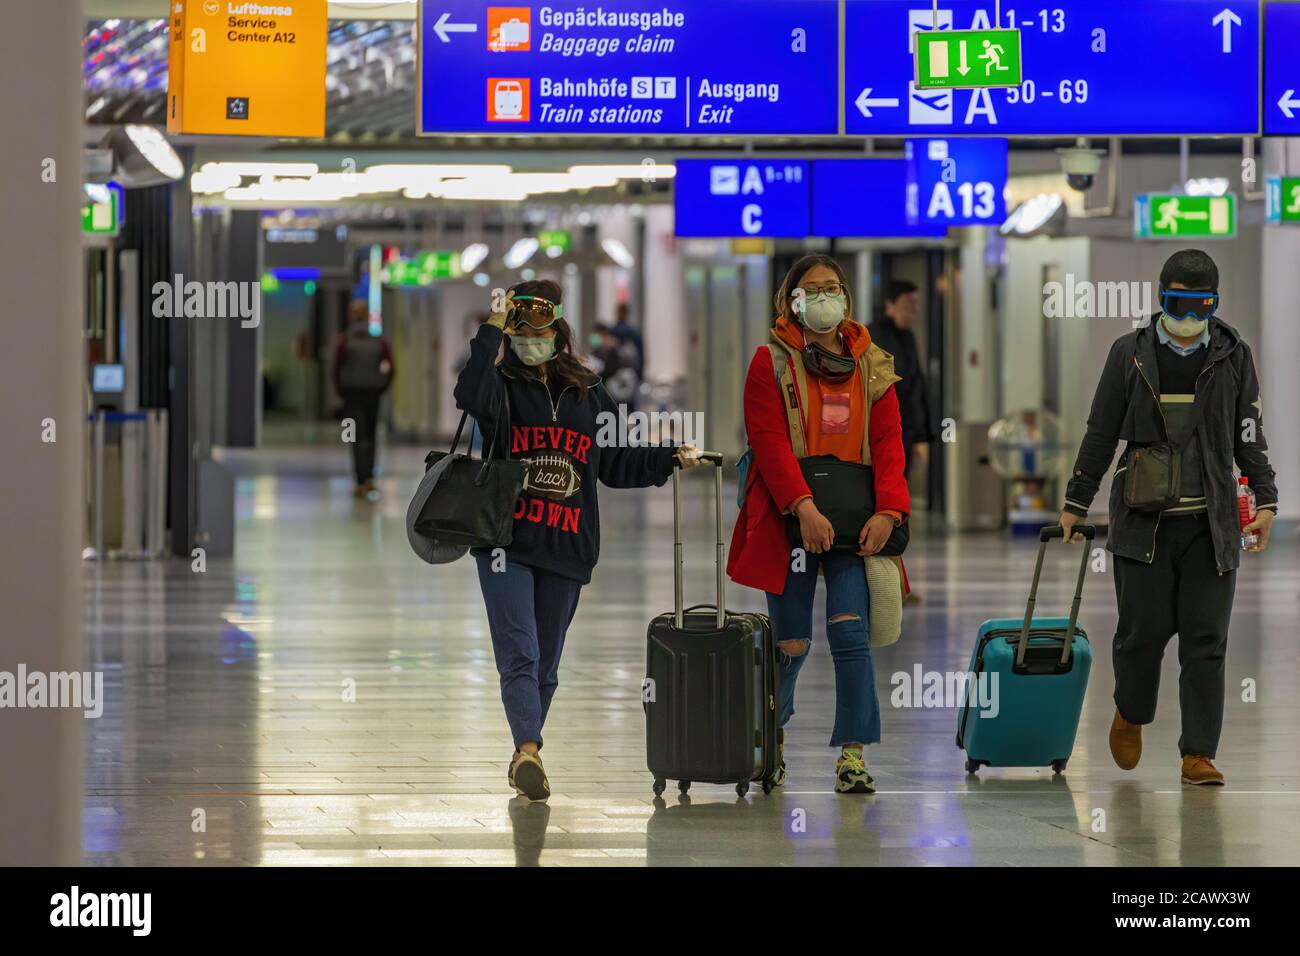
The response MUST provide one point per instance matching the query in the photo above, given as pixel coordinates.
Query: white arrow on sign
(1227, 19)
(442, 28)
(864, 102)
(963, 69)
(1288, 103)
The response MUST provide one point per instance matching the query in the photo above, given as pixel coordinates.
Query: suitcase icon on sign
(514, 32)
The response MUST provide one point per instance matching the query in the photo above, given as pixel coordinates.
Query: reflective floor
(326, 698)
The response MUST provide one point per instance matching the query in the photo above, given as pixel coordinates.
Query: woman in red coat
(842, 389)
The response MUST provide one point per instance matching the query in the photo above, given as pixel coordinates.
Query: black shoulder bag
(473, 505)
(845, 492)
(1155, 472)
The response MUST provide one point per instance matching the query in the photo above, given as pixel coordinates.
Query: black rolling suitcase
(711, 683)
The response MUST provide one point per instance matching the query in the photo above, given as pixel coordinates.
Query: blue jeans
(529, 611)
(857, 710)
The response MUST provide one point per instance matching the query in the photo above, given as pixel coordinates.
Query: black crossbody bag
(845, 492)
(1155, 472)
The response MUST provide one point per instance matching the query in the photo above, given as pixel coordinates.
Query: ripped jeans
(857, 709)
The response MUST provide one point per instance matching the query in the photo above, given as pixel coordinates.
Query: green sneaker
(851, 774)
(528, 776)
(778, 778)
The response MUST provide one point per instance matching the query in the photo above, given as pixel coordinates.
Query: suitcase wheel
(659, 786)
(768, 785)
(972, 766)
(742, 788)
(1058, 766)
(683, 786)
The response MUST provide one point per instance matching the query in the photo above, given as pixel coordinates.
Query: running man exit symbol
(967, 59)
(1180, 216)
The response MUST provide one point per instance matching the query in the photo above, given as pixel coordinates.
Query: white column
(41, 366)
(664, 324)
(976, 371)
(1279, 341)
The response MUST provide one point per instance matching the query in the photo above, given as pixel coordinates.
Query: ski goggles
(534, 312)
(1189, 304)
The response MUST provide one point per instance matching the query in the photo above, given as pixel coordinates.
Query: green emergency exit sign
(422, 269)
(1178, 216)
(99, 211)
(967, 59)
(1283, 199)
(559, 239)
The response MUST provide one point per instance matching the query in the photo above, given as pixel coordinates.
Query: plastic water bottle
(1246, 513)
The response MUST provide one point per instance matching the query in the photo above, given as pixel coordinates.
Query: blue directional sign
(863, 198)
(1282, 69)
(671, 67)
(738, 198)
(1137, 67)
(956, 182)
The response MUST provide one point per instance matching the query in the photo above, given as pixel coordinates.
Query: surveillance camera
(1080, 166)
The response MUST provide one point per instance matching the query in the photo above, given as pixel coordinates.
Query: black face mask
(832, 366)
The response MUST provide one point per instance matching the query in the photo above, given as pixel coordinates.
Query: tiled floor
(326, 698)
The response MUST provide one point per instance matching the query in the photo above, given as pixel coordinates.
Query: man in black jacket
(893, 333)
(1186, 380)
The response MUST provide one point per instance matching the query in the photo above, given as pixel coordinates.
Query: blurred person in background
(362, 371)
(893, 333)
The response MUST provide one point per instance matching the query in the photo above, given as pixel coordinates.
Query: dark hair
(897, 289)
(565, 367)
(1192, 268)
(795, 276)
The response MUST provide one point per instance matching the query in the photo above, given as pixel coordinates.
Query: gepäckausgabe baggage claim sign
(247, 68)
(657, 67)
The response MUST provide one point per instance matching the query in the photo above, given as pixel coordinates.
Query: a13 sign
(956, 182)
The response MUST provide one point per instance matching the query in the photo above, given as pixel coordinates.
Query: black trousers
(362, 406)
(1180, 592)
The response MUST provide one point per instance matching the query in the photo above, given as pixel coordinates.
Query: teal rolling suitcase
(1021, 702)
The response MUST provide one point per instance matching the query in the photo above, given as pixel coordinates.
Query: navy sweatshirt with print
(557, 518)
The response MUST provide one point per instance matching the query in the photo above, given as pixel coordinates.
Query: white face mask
(822, 313)
(1184, 328)
(533, 351)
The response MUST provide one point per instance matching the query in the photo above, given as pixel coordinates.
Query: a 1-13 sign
(1090, 67)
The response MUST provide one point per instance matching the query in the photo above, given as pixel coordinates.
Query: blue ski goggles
(1189, 303)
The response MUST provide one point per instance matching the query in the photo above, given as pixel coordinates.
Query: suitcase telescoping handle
(1049, 534)
(679, 615)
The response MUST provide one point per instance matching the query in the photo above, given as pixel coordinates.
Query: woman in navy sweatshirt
(531, 592)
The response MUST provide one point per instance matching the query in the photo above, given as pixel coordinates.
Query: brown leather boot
(1199, 771)
(1125, 742)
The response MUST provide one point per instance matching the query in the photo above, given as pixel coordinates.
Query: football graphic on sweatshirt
(551, 475)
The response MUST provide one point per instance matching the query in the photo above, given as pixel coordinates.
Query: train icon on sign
(508, 100)
(509, 29)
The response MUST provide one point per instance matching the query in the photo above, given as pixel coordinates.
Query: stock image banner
(736, 435)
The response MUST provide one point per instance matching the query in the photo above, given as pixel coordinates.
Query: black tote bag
(473, 505)
(845, 492)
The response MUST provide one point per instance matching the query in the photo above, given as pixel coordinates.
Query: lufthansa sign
(241, 67)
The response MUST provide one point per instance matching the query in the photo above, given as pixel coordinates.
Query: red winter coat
(760, 547)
